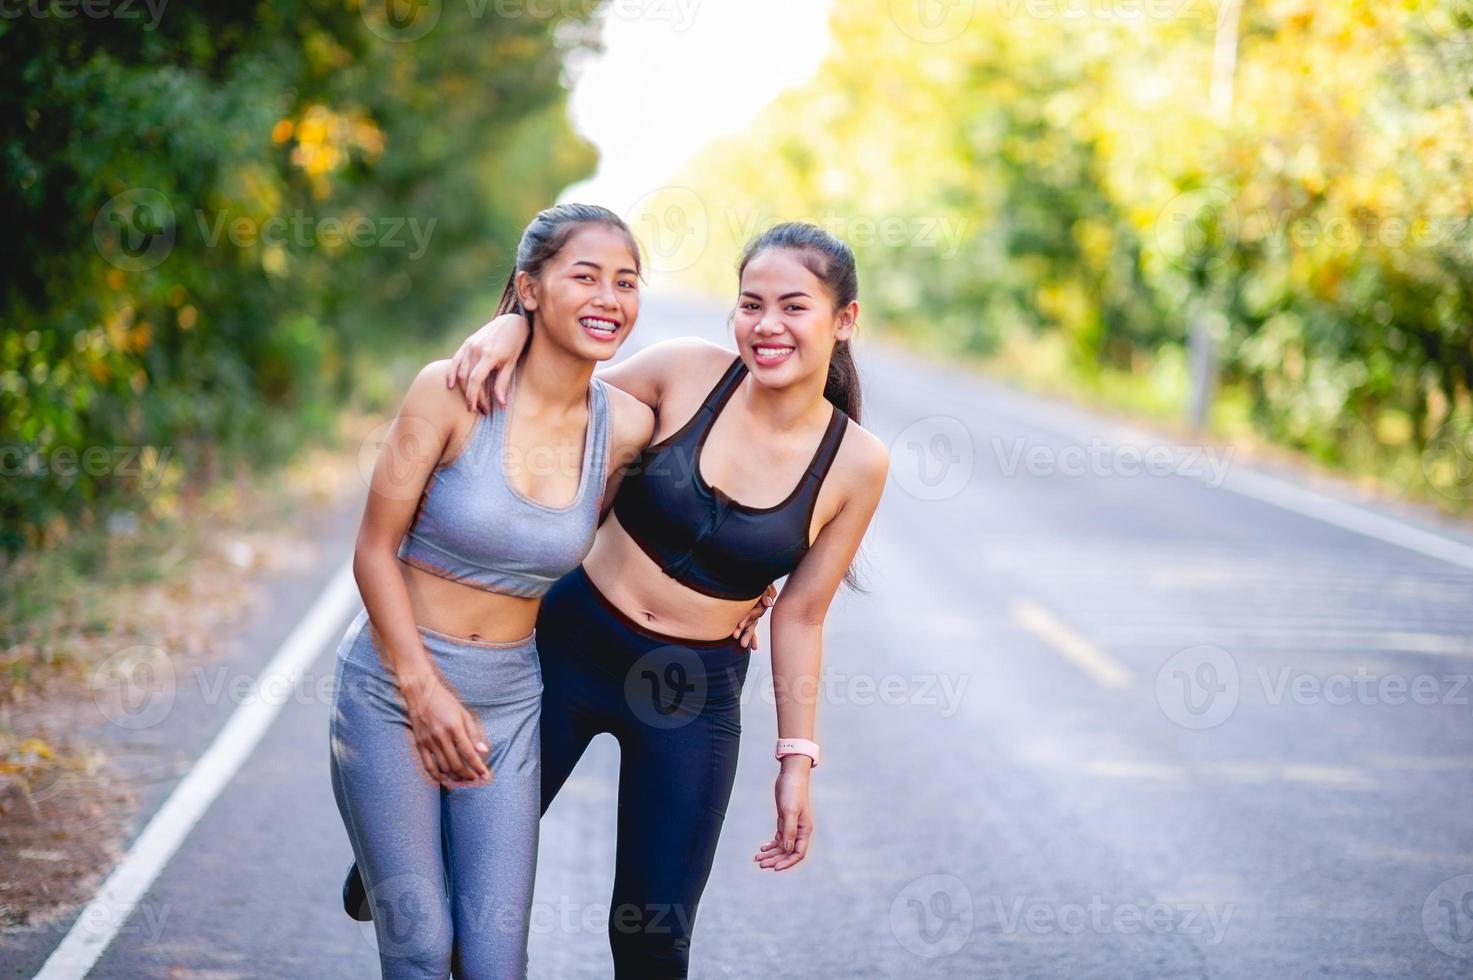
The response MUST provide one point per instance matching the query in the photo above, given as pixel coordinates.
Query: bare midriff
(621, 570)
(449, 607)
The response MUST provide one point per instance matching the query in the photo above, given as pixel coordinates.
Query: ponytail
(842, 387)
(510, 301)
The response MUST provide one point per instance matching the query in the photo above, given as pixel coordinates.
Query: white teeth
(772, 351)
(599, 326)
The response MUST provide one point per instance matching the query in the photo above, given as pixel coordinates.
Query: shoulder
(692, 347)
(631, 421)
(688, 355)
(672, 367)
(863, 461)
(429, 397)
(431, 419)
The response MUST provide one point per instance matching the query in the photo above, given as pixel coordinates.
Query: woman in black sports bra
(700, 536)
(759, 470)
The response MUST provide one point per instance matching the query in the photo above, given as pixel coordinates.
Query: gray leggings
(448, 872)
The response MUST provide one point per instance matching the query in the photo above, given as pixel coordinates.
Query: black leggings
(675, 707)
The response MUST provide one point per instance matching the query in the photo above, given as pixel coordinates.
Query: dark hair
(546, 235)
(832, 261)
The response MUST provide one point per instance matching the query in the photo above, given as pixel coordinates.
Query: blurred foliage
(1058, 172)
(219, 209)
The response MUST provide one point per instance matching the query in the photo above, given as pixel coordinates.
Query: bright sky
(676, 74)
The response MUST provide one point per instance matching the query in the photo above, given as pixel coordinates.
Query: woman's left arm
(797, 642)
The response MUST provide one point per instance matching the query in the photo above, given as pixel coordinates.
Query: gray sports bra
(473, 527)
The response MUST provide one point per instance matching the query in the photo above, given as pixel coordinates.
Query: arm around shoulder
(647, 374)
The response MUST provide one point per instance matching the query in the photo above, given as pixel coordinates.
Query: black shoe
(355, 899)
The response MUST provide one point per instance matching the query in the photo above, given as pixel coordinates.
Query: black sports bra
(696, 533)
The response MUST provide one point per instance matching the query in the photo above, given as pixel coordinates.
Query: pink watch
(797, 746)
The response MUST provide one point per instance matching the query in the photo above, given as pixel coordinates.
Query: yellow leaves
(1325, 165)
(1327, 279)
(1393, 428)
(1067, 304)
(324, 53)
(282, 131)
(188, 316)
(1367, 193)
(1305, 165)
(326, 139)
(1143, 214)
(1292, 14)
(316, 152)
(1062, 108)
(116, 328)
(140, 337)
(1095, 239)
(38, 748)
(274, 259)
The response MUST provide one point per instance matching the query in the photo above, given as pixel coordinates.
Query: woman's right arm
(448, 737)
(499, 344)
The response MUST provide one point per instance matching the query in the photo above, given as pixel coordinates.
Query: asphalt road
(1105, 712)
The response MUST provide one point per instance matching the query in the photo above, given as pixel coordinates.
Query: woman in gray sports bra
(435, 720)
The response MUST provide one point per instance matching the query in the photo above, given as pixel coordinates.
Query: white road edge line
(1311, 503)
(1106, 670)
(1070, 423)
(102, 918)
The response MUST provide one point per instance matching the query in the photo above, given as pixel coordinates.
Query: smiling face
(587, 296)
(785, 321)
